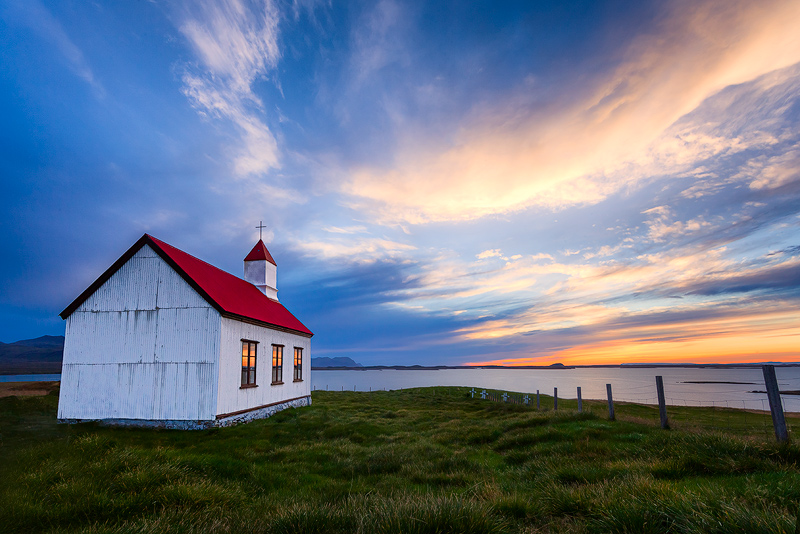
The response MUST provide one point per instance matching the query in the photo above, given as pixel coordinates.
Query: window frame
(251, 358)
(298, 364)
(277, 364)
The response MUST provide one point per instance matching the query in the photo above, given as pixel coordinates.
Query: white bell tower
(261, 270)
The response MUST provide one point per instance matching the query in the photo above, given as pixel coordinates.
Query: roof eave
(250, 320)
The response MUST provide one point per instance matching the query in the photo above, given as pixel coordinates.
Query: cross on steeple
(260, 227)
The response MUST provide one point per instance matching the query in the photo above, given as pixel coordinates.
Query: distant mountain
(44, 341)
(339, 361)
(32, 356)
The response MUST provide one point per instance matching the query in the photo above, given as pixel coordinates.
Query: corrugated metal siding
(143, 346)
(231, 398)
(137, 391)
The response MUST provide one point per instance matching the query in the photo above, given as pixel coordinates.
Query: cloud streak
(39, 19)
(597, 140)
(236, 43)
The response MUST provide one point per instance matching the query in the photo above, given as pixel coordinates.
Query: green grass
(422, 460)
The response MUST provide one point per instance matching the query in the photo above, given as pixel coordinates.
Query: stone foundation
(230, 420)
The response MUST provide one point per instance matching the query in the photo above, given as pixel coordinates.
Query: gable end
(156, 247)
(103, 278)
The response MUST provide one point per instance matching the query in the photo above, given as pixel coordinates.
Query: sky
(443, 183)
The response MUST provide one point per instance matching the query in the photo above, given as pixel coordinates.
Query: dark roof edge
(147, 240)
(103, 278)
(256, 322)
(94, 286)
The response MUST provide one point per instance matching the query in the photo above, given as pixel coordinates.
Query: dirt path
(25, 389)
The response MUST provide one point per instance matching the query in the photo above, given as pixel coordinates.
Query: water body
(30, 378)
(683, 386)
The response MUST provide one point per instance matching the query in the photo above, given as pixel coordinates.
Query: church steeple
(261, 270)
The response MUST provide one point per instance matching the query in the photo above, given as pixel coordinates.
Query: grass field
(422, 460)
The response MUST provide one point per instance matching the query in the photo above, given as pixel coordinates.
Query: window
(277, 364)
(298, 364)
(249, 363)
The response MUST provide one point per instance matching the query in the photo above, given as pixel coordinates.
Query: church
(164, 339)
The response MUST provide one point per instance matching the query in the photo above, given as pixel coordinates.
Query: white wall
(232, 397)
(143, 346)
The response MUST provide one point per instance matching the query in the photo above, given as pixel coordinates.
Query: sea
(30, 378)
(683, 386)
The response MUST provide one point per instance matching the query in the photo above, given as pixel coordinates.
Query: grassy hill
(32, 356)
(422, 460)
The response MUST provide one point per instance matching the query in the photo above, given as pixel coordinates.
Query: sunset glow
(441, 183)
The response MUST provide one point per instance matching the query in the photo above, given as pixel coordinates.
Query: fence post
(662, 403)
(580, 401)
(538, 407)
(555, 398)
(610, 403)
(775, 407)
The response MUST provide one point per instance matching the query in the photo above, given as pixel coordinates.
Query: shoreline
(558, 366)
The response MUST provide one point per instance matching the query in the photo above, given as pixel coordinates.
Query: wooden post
(538, 407)
(774, 396)
(580, 401)
(662, 403)
(610, 403)
(555, 398)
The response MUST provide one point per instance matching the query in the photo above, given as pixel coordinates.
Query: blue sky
(443, 183)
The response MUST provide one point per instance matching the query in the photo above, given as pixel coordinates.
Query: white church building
(165, 339)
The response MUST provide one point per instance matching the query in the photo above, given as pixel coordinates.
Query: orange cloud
(768, 336)
(583, 149)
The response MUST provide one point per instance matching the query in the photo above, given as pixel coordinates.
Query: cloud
(494, 253)
(376, 43)
(356, 251)
(661, 228)
(764, 172)
(766, 332)
(236, 44)
(592, 142)
(40, 20)
(533, 298)
(345, 229)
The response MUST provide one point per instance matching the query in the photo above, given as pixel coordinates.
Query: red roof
(228, 294)
(260, 252)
